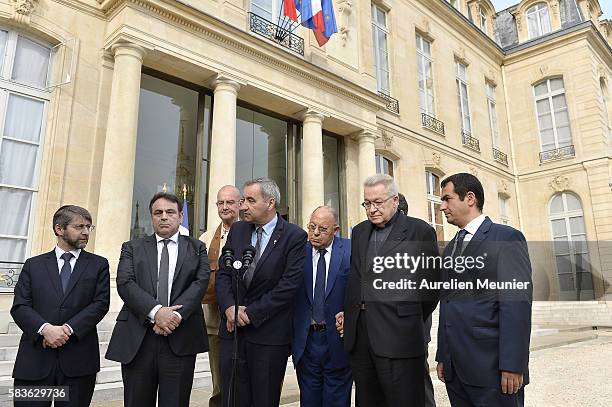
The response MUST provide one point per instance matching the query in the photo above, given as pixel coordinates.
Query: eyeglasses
(80, 227)
(220, 204)
(322, 229)
(376, 204)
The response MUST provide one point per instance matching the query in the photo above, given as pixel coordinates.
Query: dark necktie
(318, 303)
(248, 276)
(164, 271)
(66, 270)
(459, 242)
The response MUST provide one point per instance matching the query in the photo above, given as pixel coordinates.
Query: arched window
(570, 247)
(553, 116)
(482, 19)
(384, 165)
(538, 20)
(24, 74)
(434, 216)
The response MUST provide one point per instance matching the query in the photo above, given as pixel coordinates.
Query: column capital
(365, 136)
(128, 48)
(223, 81)
(311, 115)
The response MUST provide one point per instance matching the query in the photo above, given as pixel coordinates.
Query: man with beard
(59, 299)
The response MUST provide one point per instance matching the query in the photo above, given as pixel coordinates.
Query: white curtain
(17, 163)
(12, 250)
(23, 118)
(15, 211)
(3, 38)
(31, 63)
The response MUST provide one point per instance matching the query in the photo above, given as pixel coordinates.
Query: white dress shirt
(172, 257)
(471, 228)
(60, 263)
(315, 261)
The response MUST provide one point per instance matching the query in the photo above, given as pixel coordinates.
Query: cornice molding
(276, 58)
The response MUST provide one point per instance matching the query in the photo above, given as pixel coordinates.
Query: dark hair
(64, 215)
(464, 183)
(403, 204)
(168, 197)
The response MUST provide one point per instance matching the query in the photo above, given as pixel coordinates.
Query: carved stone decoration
(426, 26)
(519, 22)
(345, 8)
(387, 139)
(543, 69)
(22, 10)
(473, 170)
(560, 183)
(502, 188)
(436, 158)
(601, 74)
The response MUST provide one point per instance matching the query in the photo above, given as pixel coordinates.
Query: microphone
(227, 256)
(247, 256)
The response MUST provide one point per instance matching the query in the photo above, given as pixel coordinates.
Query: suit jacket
(395, 328)
(481, 332)
(39, 299)
(270, 296)
(137, 287)
(337, 274)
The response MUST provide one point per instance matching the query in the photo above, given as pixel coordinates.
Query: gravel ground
(576, 375)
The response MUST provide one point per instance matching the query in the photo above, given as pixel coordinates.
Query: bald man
(228, 207)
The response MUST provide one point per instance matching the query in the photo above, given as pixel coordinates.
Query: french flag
(290, 9)
(312, 15)
(317, 15)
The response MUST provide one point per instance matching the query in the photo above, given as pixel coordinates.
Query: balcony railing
(557, 154)
(9, 274)
(500, 157)
(277, 34)
(392, 104)
(431, 123)
(469, 141)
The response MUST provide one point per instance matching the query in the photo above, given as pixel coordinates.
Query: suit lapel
(363, 244)
(397, 235)
(182, 253)
(479, 236)
(276, 235)
(150, 248)
(308, 272)
(79, 267)
(53, 272)
(334, 267)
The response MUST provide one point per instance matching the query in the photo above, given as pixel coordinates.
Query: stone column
(117, 177)
(222, 167)
(367, 160)
(312, 164)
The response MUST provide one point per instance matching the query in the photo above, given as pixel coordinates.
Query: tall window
(492, 115)
(384, 165)
(455, 4)
(604, 99)
(538, 21)
(553, 117)
(24, 69)
(433, 204)
(504, 216)
(482, 19)
(425, 63)
(380, 34)
(268, 9)
(462, 95)
(570, 247)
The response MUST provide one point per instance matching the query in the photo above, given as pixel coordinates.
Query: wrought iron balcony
(431, 123)
(276, 33)
(558, 153)
(500, 157)
(469, 141)
(9, 274)
(392, 104)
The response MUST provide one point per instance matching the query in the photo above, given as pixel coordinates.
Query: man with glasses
(322, 365)
(228, 207)
(384, 331)
(59, 299)
(267, 292)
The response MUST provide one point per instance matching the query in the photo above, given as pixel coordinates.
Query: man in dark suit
(323, 370)
(161, 279)
(385, 335)
(59, 299)
(267, 292)
(483, 334)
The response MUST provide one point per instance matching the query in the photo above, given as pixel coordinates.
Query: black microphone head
(227, 256)
(248, 255)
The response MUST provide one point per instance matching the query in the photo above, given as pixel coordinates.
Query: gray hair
(331, 210)
(382, 179)
(269, 189)
(64, 215)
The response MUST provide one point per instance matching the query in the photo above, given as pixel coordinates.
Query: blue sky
(606, 6)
